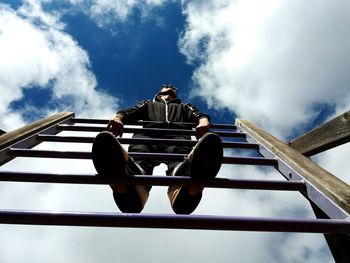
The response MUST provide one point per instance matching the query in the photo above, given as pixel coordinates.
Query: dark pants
(148, 165)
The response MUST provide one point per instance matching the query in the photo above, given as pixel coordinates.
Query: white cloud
(36, 52)
(96, 244)
(275, 63)
(119, 9)
(107, 12)
(271, 62)
(335, 161)
(107, 245)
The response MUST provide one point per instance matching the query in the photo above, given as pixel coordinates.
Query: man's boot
(203, 162)
(111, 159)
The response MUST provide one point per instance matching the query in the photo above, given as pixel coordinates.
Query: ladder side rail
(19, 134)
(291, 226)
(292, 165)
(327, 136)
(324, 189)
(234, 160)
(338, 243)
(26, 137)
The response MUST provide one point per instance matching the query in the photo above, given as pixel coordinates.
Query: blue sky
(136, 59)
(281, 64)
(129, 59)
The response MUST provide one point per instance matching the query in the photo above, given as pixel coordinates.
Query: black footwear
(206, 157)
(108, 155)
(182, 202)
(110, 159)
(203, 162)
(134, 197)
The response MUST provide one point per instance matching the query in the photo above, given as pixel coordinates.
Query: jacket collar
(172, 101)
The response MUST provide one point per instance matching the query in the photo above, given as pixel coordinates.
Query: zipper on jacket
(166, 111)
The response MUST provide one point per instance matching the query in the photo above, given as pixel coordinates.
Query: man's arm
(116, 125)
(202, 127)
(202, 119)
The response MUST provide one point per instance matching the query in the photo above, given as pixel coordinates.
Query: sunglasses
(168, 86)
(168, 92)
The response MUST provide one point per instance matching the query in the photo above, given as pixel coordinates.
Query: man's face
(167, 94)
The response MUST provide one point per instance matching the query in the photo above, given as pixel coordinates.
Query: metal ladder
(329, 196)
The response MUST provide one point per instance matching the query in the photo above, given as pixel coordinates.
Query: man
(202, 162)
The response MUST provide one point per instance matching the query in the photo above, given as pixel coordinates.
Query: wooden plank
(329, 135)
(17, 135)
(332, 187)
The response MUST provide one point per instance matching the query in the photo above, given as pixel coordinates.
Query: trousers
(148, 165)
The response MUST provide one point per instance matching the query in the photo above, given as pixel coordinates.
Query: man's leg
(111, 159)
(147, 165)
(203, 162)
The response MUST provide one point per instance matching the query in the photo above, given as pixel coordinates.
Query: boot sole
(207, 157)
(185, 203)
(107, 155)
(108, 158)
(205, 163)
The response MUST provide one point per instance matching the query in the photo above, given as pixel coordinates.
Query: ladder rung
(105, 122)
(266, 224)
(17, 152)
(153, 180)
(155, 141)
(65, 127)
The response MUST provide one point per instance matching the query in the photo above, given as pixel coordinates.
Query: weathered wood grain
(327, 183)
(329, 135)
(17, 135)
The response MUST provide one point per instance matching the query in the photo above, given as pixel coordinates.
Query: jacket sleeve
(137, 112)
(193, 114)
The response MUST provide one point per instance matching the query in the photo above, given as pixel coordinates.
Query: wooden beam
(332, 187)
(17, 135)
(329, 135)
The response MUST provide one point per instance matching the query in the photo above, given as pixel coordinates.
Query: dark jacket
(166, 113)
